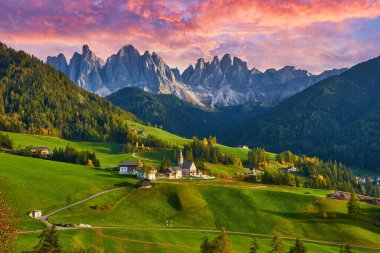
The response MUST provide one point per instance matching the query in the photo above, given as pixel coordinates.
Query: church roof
(187, 165)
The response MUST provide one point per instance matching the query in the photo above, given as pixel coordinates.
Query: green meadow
(160, 241)
(144, 220)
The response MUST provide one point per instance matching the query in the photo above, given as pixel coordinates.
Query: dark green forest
(180, 117)
(38, 99)
(336, 119)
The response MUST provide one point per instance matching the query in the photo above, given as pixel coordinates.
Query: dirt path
(212, 231)
(45, 220)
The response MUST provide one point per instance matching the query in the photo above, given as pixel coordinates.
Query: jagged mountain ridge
(223, 82)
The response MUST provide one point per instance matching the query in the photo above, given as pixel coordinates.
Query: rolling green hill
(180, 117)
(36, 98)
(190, 204)
(337, 118)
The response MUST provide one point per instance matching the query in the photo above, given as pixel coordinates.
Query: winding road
(45, 220)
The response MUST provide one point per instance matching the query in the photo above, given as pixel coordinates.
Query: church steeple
(180, 159)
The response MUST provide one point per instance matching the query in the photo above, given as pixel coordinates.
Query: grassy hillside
(337, 118)
(175, 139)
(46, 185)
(180, 117)
(149, 240)
(248, 209)
(39, 184)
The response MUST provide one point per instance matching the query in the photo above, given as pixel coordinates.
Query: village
(186, 169)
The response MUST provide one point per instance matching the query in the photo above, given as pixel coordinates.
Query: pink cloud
(313, 34)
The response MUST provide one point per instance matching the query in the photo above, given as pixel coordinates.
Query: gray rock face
(223, 82)
(59, 62)
(230, 82)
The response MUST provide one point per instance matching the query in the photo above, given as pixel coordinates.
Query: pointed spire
(180, 159)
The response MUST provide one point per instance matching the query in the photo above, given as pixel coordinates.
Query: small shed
(35, 214)
(145, 183)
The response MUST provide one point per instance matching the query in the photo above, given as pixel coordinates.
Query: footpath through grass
(132, 240)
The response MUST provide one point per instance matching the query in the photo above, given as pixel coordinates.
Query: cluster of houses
(375, 180)
(40, 150)
(184, 169)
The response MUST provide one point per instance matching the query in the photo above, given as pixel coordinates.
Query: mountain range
(223, 82)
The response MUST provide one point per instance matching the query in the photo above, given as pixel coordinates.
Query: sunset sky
(309, 34)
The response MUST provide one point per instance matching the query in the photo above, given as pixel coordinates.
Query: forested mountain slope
(37, 98)
(337, 118)
(180, 117)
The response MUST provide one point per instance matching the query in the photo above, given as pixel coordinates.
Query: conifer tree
(254, 246)
(346, 249)
(298, 247)
(353, 205)
(49, 242)
(277, 244)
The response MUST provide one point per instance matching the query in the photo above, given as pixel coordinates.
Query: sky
(309, 34)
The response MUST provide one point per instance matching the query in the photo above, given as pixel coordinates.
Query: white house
(128, 168)
(40, 150)
(173, 173)
(35, 214)
(290, 169)
(151, 175)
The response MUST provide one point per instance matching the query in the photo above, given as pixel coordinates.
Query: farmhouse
(290, 169)
(173, 173)
(35, 214)
(40, 150)
(145, 183)
(128, 168)
(151, 175)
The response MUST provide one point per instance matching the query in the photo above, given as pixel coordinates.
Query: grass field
(257, 209)
(111, 154)
(33, 183)
(139, 241)
(30, 183)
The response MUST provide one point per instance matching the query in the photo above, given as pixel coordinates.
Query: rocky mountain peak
(129, 50)
(228, 81)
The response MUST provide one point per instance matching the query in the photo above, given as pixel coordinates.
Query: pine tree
(298, 247)
(353, 205)
(254, 246)
(277, 244)
(346, 249)
(222, 242)
(206, 246)
(49, 242)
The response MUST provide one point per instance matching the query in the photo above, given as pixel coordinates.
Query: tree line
(222, 244)
(206, 150)
(318, 173)
(67, 154)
